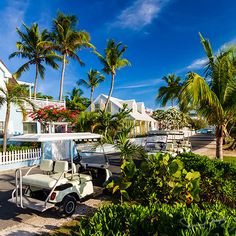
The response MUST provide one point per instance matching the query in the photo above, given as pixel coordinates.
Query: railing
(20, 156)
(40, 103)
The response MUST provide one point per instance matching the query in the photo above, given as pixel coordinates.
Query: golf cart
(58, 184)
(172, 142)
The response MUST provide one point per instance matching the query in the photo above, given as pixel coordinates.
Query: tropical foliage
(13, 94)
(214, 96)
(43, 96)
(162, 179)
(32, 47)
(158, 219)
(171, 91)
(112, 61)
(123, 182)
(171, 119)
(75, 100)
(54, 114)
(94, 78)
(67, 40)
(217, 178)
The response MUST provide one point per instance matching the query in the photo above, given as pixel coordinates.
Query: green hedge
(217, 182)
(218, 179)
(160, 219)
(23, 146)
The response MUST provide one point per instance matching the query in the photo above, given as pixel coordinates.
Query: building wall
(15, 123)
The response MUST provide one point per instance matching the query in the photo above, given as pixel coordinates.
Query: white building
(16, 123)
(141, 120)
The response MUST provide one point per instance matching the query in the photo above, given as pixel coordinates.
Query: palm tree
(13, 94)
(75, 100)
(214, 96)
(68, 41)
(111, 61)
(94, 79)
(32, 47)
(169, 92)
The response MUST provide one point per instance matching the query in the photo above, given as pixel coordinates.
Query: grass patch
(66, 229)
(230, 159)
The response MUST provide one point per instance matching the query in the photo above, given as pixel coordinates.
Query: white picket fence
(20, 156)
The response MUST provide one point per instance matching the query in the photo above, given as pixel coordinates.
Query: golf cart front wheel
(67, 206)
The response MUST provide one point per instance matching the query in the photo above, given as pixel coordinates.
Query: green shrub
(218, 179)
(159, 219)
(164, 180)
(122, 183)
(24, 146)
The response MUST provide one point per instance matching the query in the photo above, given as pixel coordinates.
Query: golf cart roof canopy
(55, 137)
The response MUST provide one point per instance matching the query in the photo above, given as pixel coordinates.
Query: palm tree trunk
(7, 118)
(219, 142)
(35, 81)
(111, 90)
(219, 148)
(62, 77)
(91, 95)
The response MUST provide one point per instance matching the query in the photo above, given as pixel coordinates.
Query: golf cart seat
(78, 176)
(46, 166)
(48, 181)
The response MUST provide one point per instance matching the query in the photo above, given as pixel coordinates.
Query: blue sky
(161, 35)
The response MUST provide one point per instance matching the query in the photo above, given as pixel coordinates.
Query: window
(30, 128)
(97, 107)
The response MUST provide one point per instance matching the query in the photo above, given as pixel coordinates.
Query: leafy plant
(214, 96)
(171, 119)
(218, 178)
(123, 182)
(163, 179)
(159, 219)
(94, 78)
(169, 92)
(56, 114)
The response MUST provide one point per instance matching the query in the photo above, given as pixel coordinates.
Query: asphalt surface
(11, 215)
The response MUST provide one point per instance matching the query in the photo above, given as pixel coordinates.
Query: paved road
(203, 144)
(11, 215)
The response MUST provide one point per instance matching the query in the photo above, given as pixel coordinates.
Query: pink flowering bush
(54, 114)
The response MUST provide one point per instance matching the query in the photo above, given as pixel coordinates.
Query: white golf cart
(172, 142)
(59, 184)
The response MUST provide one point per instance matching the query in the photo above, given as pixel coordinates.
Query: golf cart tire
(67, 206)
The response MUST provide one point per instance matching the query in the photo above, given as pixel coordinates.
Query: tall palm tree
(13, 94)
(75, 100)
(169, 92)
(68, 41)
(93, 80)
(112, 61)
(214, 96)
(32, 47)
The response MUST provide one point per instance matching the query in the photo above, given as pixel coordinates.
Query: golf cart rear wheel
(67, 206)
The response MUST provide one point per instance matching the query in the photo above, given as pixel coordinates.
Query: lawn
(230, 159)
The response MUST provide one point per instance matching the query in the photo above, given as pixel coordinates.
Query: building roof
(134, 115)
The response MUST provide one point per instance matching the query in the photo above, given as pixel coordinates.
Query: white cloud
(139, 14)
(197, 64)
(148, 83)
(231, 42)
(201, 62)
